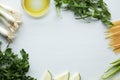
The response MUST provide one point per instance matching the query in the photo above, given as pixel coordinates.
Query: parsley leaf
(13, 67)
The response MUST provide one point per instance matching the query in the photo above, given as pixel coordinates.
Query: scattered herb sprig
(13, 67)
(86, 9)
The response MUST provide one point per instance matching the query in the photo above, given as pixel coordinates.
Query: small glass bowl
(36, 8)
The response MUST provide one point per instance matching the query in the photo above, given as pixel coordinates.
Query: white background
(64, 44)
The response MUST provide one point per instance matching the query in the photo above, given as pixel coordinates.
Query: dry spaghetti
(113, 33)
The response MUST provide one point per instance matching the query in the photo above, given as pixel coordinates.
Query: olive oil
(36, 8)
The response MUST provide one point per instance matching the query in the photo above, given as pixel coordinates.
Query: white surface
(61, 44)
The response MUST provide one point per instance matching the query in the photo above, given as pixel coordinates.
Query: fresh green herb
(13, 67)
(86, 9)
(115, 68)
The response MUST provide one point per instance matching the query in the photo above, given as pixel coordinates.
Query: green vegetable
(86, 9)
(13, 67)
(115, 68)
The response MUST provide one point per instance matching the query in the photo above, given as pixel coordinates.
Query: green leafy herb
(115, 68)
(13, 67)
(86, 9)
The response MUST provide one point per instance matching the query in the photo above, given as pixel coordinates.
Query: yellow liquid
(36, 8)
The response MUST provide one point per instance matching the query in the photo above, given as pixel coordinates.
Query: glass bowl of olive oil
(36, 8)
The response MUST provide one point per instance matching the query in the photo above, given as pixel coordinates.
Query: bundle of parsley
(86, 9)
(13, 67)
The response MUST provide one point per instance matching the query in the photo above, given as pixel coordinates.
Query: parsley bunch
(86, 9)
(12, 67)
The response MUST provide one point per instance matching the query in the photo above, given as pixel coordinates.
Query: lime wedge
(63, 76)
(47, 75)
(76, 77)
